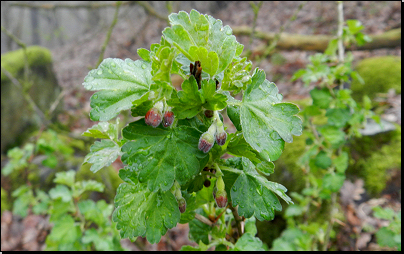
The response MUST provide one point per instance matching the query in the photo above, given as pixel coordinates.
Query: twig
(331, 222)
(56, 102)
(53, 6)
(256, 9)
(203, 219)
(339, 33)
(341, 60)
(22, 45)
(149, 9)
(238, 219)
(104, 46)
(274, 42)
(27, 97)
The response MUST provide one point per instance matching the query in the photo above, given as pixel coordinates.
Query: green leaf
(322, 160)
(18, 158)
(250, 226)
(332, 134)
(65, 231)
(233, 113)
(102, 154)
(253, 193)
(144, 54)
(102, 130)
(333, 182)
(332, 47)
(95, 212)
(248, 242)
(209, 61)
(189, 102)
(61, 191)
(162, 155)
(385, 237)
(383, 213)
(90, 185)
(239, 147)
(24, 198)
(266, 122)
(341, 162)
(321, 98)
(121, 82)
(199, 231)
(338, 117)
(237, 76)
(66, 178)
(141, 212)
(191, 33)
(43, 202)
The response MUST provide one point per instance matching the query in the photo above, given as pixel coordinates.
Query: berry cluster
(215, 132)
(154, 116)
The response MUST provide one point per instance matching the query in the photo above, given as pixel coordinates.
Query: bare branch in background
(104, 46)
(277, 36)
(389, 39)
(22, 45)
(27, 97)
(256, 9)
(52, 6)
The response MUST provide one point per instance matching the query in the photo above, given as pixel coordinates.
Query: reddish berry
(208, 113)
(182, 204)
(153, 117)
(206, 183)
(221, 138)
(168, 118)
(221, 198)
(206, 142)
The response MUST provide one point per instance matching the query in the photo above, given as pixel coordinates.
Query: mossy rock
(380, 74)
(13, 61)
(17, 116)
(374, 157)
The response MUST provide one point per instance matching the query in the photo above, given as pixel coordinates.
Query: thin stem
(256, 9)
(275, 40)
(28, 98)
(340, 32)
(104, 46)
(238, 219)
(330, 223)
(23, 46)
(203, 219)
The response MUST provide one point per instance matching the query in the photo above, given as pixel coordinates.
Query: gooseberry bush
(174, 171)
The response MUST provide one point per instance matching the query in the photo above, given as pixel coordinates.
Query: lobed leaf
(265, 120)
(141, 212)
(102, 154)
(102, 130)
(163, 155)
(121, 83)
(254, 194)
(203, 38)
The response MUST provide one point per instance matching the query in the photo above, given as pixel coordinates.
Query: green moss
(5, 204)
(380, 74)
(13, 61)
(374, 158)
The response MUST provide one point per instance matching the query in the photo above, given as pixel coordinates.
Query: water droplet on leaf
(89, 79)
(144, 66)
(99, 72)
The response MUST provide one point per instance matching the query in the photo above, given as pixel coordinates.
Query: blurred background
(65, 39)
